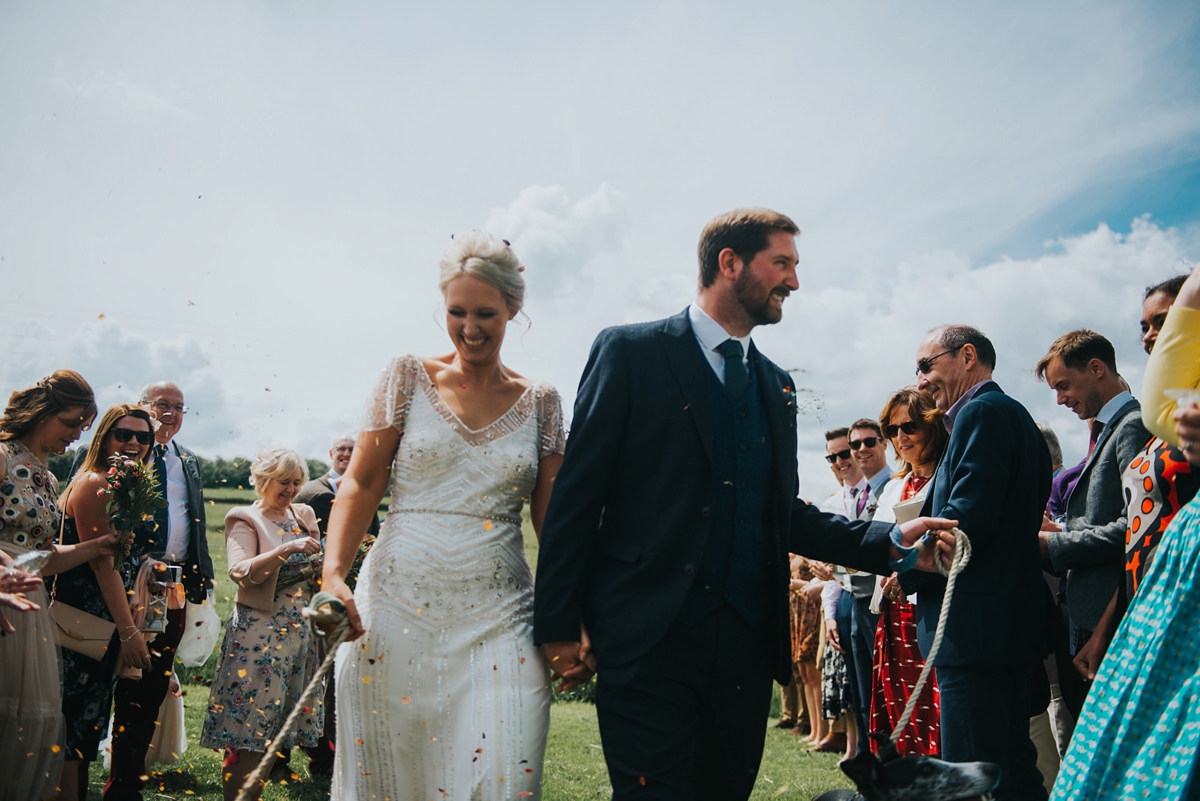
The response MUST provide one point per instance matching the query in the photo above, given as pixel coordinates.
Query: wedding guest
(38, 421)
(806, 622)
(1081, 368)
(1158, 483)
(1140, 728)
(177, 537)
(268, 656)
(870, 454)
(913, 425)
(836, 694)
(98, 589)
(1053, 445)
(994, 478)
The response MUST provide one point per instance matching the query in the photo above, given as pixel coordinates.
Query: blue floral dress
(1138, 734)
(266, 661)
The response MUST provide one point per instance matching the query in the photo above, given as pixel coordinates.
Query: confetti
(487, 525)
(406, 700)
(366, 679)
(55, 748)
(241, 674)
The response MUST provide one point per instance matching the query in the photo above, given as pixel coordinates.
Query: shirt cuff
(908, 554)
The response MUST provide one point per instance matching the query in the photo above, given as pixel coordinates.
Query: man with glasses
(994, 478)
(180, 539)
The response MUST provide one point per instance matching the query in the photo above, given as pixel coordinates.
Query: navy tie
(161, 516)
(736, 377)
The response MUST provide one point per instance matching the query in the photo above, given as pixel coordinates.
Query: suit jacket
(197, 568)
(319, 494)
(630, 513)
(1092, 544)
(994, 478)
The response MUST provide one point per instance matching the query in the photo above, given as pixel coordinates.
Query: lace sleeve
(388, 404)
(550, 418)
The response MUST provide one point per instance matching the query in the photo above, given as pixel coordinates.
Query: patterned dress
(30, 690)
(446, 696)
(806, 620)
(1157, 484)
(265, 663)
(1139, 731)
(898, 664)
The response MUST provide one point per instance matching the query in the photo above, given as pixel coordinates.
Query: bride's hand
(337, 588)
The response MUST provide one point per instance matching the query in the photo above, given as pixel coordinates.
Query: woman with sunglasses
(912, 423)
(43, 419)
(97, 588)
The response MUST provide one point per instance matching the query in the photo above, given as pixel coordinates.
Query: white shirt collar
(1113, 406)
(710, 333)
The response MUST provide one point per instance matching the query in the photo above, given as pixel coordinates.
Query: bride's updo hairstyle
(489, 259)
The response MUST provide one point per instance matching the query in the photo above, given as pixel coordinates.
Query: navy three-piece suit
(668, 535)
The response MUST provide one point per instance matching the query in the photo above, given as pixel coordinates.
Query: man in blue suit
(671, 521)
(994, 479)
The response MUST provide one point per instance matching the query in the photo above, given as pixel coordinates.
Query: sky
(250, 199)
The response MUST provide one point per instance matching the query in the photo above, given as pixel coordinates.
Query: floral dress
(30, 691)
(265, 663)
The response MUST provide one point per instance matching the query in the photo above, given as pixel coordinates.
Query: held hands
(573, 662)
(912, 531)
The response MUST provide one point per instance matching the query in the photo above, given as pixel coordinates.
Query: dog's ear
(886, 750)
(867, 773)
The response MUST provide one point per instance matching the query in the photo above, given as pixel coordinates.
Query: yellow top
(1174, 364)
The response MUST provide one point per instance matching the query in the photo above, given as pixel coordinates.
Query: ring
(1185, 445)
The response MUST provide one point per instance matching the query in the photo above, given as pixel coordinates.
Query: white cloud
(122, 91)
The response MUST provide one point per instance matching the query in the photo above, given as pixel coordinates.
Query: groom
(671, 521)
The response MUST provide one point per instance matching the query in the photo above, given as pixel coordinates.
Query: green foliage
(232, 473)
(60, 465)
(316, 468)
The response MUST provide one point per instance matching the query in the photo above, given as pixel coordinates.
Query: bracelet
(130, 637)
(127, 628)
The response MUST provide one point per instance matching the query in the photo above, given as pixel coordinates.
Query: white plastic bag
(201, 633)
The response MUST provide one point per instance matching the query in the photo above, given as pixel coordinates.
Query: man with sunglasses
(994, 478)
(180, 539)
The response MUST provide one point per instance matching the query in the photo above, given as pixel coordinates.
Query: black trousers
(688, 720)
(985, 718)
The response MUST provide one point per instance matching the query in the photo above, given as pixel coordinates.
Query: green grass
(574, 770)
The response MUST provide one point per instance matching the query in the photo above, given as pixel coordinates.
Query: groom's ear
(729, 263)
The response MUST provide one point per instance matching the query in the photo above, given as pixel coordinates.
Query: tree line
(218, 473)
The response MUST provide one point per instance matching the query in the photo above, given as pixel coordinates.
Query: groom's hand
(942, 544)
(565, 663)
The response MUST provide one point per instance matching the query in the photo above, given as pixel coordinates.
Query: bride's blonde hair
(489, 259)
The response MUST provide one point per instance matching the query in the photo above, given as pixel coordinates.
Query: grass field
(574, 760)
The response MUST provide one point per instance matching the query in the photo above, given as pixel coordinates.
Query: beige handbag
(76, 629)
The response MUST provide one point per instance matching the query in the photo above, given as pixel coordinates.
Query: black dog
(891, 777)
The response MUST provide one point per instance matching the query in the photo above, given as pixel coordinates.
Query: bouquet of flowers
(133, 496)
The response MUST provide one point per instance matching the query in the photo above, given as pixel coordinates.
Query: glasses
(162, 407)
(833, 457)
(925, 365)
(126, 434)
(908, 428)
(865, 442)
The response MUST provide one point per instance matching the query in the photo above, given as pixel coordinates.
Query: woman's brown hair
(923, 411)
(96, 460)
(54, 394)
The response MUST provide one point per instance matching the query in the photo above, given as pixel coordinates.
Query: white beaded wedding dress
(446, 695)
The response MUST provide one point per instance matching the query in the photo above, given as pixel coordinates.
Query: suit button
(742, 484)
(743, 448)
(741, 415)
(706, 512)
(689, 568)
(741, 521)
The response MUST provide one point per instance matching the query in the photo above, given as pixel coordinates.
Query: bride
(443, 694)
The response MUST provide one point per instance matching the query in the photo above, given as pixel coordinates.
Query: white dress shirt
(179, 527)
(709, 333)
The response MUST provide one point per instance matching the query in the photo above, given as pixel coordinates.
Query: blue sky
(255, 196)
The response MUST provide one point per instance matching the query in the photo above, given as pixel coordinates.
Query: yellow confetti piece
(406, 700)
(55, 748)
(242, 674)
(487, 525)
(366, 679)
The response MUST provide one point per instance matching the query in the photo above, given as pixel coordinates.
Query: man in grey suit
(1081, 367)
(320, 493)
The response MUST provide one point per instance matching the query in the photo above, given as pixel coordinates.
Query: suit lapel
(771, 391)
(688, 365)
(1105, 434)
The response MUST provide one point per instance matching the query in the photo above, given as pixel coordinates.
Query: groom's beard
(755, 299)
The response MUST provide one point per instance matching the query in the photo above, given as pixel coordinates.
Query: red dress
(897, 666)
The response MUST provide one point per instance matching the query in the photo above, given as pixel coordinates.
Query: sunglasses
(833, 457)
(925, 365)
(908, 428)
(865, 442)
(126, 434)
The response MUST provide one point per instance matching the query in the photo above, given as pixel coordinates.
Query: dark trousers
(985, 718)
(863, 623)
(689, 719)
(135, 710)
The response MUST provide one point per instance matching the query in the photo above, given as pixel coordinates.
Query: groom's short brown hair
(745, 231)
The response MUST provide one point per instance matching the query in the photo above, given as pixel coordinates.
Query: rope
(336, 614)
(962, 555)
